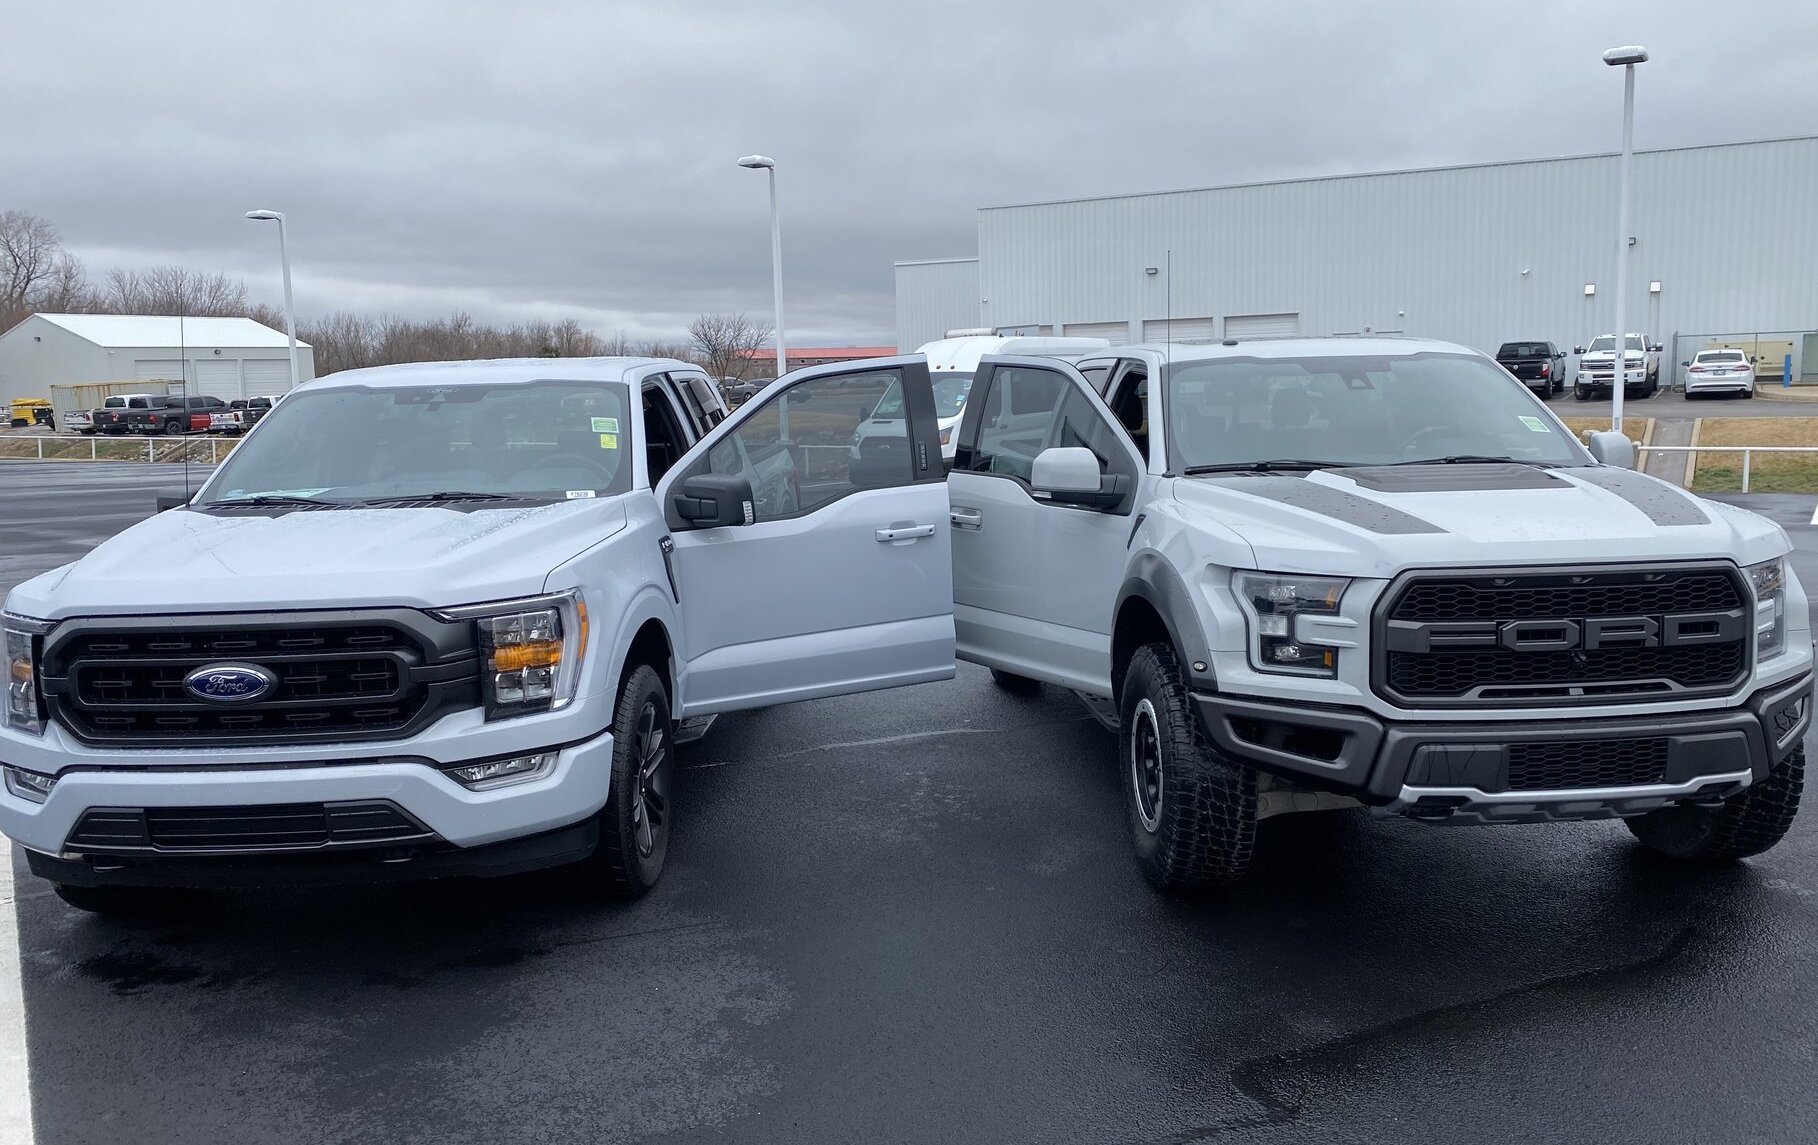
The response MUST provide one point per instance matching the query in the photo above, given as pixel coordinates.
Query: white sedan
(1720, 372)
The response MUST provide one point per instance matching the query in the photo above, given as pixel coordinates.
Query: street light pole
(1625, 58)
(290, 314)
(764, 162)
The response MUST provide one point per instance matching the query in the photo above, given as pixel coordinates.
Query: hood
(183, 561)
(1377, 522)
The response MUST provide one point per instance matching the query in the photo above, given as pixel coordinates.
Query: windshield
(1364, 410)
(1607, 344)
(537, 441)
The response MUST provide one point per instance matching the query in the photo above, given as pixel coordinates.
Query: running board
(1102, 709)
(693, 728)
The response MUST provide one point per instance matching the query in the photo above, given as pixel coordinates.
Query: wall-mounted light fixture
(1590, 289)
(1151, 270)
(1654, 287)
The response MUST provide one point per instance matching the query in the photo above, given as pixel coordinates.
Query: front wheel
(1191, 809)
(1579, 394)
(172, 428)
(634, 824)
(1743, 825)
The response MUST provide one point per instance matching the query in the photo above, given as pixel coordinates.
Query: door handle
(966, 518)
(904, 533)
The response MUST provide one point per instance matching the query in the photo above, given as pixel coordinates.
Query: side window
(1097, 374)
(696, 415)
(1016, 420)
(1129, 401)
(1081, 425)
(664, 441)
(819, 441)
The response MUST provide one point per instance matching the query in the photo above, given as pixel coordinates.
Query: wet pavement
(912, 916)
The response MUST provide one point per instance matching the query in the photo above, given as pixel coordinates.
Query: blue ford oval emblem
(229, 682)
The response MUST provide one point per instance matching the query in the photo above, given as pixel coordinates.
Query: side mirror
(166, 502)
(1070, 475)
(1685, 363)
(715, 500)
(1611, 448)
(1577, 349)
(1656, 348)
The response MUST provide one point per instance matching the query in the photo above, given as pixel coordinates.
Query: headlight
(530, 652)
(1768, 579)
(1272, 603)
(23, 636)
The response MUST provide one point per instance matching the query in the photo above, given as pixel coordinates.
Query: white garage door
(1118, 332)
(1262, 325)
(266, 377)
(1180, 330)
(158, 370)
(218, 378)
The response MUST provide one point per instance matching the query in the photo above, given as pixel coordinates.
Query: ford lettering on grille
(229, 682)
(1589, 634)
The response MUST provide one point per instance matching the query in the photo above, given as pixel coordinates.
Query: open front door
(812, 554)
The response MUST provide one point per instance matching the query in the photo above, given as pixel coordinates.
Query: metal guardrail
(173, 448)
(1748, 453)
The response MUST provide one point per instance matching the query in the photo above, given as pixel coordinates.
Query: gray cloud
(575, 158)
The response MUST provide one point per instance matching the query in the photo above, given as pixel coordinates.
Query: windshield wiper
(1474, 459)
(447, 495)
(1273, 463)
(258, 499)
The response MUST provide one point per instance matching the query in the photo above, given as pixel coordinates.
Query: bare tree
(725, 342)
(29, 253)
(67, 290)
(173, 290)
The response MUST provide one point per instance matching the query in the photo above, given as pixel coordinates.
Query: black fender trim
(1152, 580)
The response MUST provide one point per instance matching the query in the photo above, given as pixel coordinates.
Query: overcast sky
(558, 159)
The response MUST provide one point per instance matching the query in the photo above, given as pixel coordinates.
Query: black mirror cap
(714, 501)
(1577, 349)
(167, 502)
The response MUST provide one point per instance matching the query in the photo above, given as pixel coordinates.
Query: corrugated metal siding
(935, 297)
(1728, 231)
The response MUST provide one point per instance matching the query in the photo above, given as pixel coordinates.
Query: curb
(1691, 459)
(1797, 394)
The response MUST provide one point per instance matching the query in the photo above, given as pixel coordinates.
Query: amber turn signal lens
(515, 657)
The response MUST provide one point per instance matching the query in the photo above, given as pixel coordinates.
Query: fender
(648, 603)
(1152, 579)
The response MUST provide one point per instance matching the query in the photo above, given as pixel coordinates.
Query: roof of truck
(1297, 348)
(496, 371)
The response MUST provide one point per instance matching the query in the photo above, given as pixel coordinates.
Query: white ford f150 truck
(1317, 573)
(451, 619)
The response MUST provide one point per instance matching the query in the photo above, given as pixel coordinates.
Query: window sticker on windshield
(1534, 424)
(580, 494)
(608, 440)
(606, 425)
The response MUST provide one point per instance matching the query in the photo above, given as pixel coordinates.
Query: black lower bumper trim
(379, 865)
(1353, 752)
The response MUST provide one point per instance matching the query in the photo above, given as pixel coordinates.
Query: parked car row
(1541, 366)
(165, 414)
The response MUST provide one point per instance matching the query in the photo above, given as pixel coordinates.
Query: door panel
(1034, 582)
(844, 581)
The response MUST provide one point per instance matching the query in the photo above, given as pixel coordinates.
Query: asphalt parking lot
(1666, 404)
(912, 916)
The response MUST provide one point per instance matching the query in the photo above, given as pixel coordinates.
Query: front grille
(271, 827)
(1593, 763)
(1699, 644)
(345, 676)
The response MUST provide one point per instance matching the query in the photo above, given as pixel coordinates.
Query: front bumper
(1460, 770)
(459, 820)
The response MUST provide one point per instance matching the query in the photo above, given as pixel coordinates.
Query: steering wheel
(556, 460)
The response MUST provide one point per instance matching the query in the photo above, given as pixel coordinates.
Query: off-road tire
(1014, 684)
(1203, 827)
(1746, 824)
(620, 865)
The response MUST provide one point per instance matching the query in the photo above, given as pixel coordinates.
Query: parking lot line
(15, 1076)
(1815, 514)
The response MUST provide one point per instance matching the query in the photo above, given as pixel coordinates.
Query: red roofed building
(763, 362)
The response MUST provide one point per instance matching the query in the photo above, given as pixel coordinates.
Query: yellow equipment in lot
(30, 411)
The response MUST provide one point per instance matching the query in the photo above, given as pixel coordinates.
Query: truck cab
(454, 618)
(1597, 369)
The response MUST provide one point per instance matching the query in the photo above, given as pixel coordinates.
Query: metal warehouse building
(227, 358)
(1723, 245)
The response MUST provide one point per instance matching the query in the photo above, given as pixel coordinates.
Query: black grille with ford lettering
(1575, 636)
(320, 677)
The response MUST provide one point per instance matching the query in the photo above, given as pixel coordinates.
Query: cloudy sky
(553, 159)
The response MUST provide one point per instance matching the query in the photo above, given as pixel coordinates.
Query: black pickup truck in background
(1539, 365)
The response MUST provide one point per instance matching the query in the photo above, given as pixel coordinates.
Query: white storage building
(227, 358)
(1723, 244)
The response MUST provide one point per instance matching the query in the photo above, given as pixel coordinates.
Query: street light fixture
(765, 163)
(1625, 58)
(290, 316)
